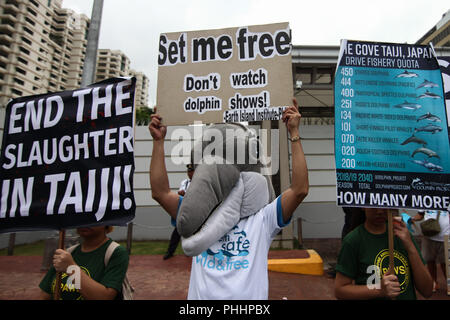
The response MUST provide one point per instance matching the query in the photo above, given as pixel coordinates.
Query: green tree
(143, 116)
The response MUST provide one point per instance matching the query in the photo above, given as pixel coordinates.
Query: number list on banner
(391, 131)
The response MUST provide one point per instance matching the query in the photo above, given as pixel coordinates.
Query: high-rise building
(42, 49)
(114, 63)
(142, 86)
(111, 63)
(439, 35)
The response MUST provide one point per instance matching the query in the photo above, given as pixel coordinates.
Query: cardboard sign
(67, 158)
(225, 75)
(391, 132)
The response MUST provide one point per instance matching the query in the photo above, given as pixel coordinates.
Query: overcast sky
(134, 26)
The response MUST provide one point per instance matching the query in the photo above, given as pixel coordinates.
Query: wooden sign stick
(391, 243)
(57, 293)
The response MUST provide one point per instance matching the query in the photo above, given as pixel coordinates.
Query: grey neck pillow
(248, 196)
(226, 187)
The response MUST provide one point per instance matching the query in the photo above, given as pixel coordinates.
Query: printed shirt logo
(68, 290)
(229, 254)
(401, 267)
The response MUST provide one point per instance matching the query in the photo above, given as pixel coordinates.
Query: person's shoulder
(120, 249)
(120, 253)
(273, 212)
(75, 249)
(271, 207)
(354, 236)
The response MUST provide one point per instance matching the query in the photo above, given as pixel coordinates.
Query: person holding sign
(363, 262)
(175, 237)
(433, 245)
(84, 274)
(234, 266)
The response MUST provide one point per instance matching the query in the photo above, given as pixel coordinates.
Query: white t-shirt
(235, 267)
(184, 185)
(443, 222)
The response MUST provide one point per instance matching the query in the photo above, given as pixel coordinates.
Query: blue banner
(391, 132)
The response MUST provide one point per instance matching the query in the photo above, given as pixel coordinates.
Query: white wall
(321, 217)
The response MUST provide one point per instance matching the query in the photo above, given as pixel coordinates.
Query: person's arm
(348, 267)
(422, 278)
(159, 180)
(46, 285)
(182, 189)
(294, 195)
(93, 290)
(89, 288)
(419, 216)
(344, 288)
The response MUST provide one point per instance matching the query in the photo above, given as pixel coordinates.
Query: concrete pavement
(158, 279)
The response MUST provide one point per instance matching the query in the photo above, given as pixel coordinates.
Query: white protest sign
(225, 75)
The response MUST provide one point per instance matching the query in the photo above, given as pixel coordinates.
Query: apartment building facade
(439, 35)
(142, 87)
(42, 49)
(114, 63)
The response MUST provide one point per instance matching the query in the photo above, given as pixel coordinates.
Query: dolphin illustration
(241, 232)
(430, 117)
(407, 74)
(408, 106)
(429, 165)
(430, 153)
(227, 254)
(210, 252)
(427, 84)
(243, 253)
(414, 139)
(429, 128)
(219, 256)
(428, 94)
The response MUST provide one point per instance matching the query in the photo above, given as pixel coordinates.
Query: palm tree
(143, 115)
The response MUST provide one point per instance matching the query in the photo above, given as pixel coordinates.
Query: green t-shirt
(93, 264)
(362, 250)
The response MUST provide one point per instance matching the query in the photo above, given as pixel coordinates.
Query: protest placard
(225, 75)
(67, 158)
(391, 131)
